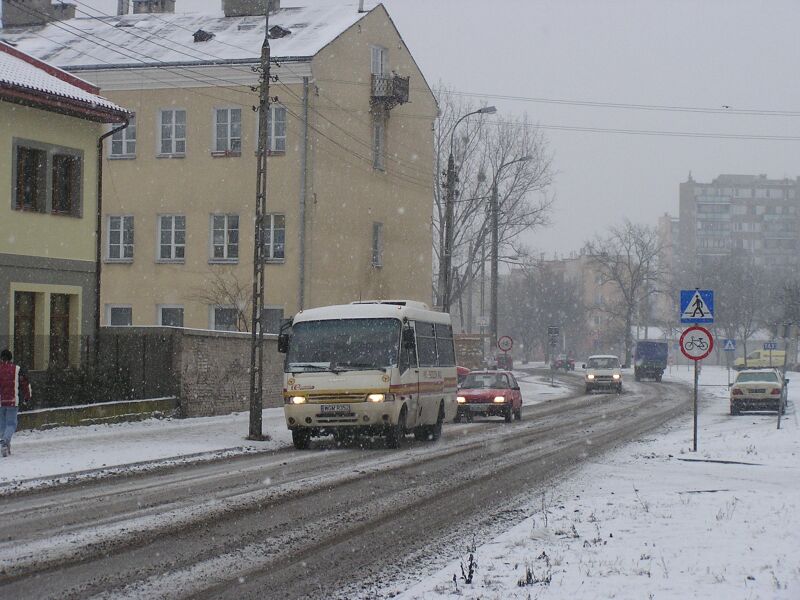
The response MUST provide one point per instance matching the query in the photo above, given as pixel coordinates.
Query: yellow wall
(344, 196)
(41, 234)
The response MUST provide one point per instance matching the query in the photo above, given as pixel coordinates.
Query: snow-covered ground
(654, 520)
(63, 453)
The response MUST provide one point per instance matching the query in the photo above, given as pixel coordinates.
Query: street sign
(697, 306)
(505, 343)
(553, 330)
(696, 343)
(770, 345)
(482, 321)
(729, 345)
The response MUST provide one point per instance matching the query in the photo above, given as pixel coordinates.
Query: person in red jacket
(14, 390)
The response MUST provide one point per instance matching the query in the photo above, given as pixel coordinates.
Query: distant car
(489, 393)
(562, 361)
(462, 373)
(758, 389)
(761, 358)
(603, 371)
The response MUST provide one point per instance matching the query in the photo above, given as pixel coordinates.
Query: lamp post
(495, 248)
(445, 264)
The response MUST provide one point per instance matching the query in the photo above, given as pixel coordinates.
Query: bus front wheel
(301, 438)
(395, 434)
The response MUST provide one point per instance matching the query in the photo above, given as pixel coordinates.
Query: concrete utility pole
(493, 277)
(446, 262)
(259, 252)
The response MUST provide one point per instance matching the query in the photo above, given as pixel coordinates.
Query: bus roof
(395, 309)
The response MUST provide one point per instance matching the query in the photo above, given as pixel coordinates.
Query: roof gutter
(98, 234)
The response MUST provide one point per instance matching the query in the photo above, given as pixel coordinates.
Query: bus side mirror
(408, 338)
(283, 343)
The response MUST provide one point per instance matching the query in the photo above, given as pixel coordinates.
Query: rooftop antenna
(361, 6)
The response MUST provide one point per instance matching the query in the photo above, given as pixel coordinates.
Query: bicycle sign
(696, 343)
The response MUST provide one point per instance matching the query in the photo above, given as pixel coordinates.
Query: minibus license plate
(334, 409)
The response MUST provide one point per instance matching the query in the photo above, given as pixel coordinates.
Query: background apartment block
(740, 213)
(349, 169)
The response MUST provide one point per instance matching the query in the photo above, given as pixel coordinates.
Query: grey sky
(707, 53)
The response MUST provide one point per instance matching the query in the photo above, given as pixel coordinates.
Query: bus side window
(444, 345)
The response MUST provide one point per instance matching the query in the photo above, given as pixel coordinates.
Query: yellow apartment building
(50, 125)
(350, 178)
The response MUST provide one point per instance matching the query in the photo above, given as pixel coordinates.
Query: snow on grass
(654, 520)
(537, 388)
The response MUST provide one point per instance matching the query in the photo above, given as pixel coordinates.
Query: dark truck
(650, 359)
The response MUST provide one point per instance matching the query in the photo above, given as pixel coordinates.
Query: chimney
(123, 7)
(34, 12)
(153, 6)
(249, 8)
(361, 6)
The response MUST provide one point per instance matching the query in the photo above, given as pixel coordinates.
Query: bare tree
(628, 259)
(480, 148)
(225, 289)
(539, 296)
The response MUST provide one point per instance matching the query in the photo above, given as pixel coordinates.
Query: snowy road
(330, 522)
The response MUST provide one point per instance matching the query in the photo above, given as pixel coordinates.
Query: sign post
(696, 343)
(728, 346)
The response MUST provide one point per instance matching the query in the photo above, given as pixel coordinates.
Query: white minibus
(372, 368)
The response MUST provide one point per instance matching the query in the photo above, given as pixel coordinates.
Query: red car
(489, 393)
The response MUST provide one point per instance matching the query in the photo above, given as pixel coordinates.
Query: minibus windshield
(343, 345)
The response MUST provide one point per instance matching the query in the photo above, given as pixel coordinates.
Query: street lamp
(495, 244)
(445, 267)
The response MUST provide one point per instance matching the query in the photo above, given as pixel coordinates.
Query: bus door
(409, 373)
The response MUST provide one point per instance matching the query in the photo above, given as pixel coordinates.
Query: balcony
(389, 90)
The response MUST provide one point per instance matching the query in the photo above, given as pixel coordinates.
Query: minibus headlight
(590, 376)
(499, 399)
(376, 397)
(298, 399)
(616, 376)
(461, 400)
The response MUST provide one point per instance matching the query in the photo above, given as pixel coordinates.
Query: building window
(123, 142)
(225, 318)
(225, 238)
(47, 178)
(66, 184)
(228, 130)
(173, 133)
(272, 318)
(170, 315)
(378, 142)
(275, 237)
(276, 129)
(171, 238)
(379, 63)
(377, 244)
(120, 238)
(31, 183)
(119, 315)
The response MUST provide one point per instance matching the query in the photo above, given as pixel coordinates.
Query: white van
(385, 368)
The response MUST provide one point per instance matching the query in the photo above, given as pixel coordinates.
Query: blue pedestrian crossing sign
(697, 306)
(729, 345)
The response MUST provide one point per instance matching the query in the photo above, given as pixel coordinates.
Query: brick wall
(209, 371)
(215, 372)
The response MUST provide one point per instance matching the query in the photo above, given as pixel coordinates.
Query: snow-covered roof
(20, 72)
(155, 39)
(372, 311)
